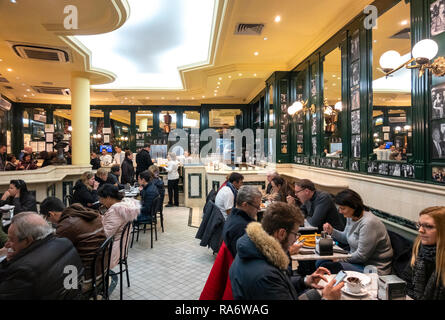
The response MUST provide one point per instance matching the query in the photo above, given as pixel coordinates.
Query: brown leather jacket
(83, 226)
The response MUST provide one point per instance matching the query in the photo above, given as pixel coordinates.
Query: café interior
(348, 94)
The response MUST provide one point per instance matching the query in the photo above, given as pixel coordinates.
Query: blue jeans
(335, 267)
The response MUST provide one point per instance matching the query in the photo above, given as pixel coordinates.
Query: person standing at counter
(11, 163)
(143, 160)
(119, 156)
(95, 161)
(226, 197)
(18, 196)
(127, 169)
(105, 158)
(318, 207)
(28, 163)
(173, 180)
(425, 275)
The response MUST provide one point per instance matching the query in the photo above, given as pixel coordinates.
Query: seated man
(102, 176)
(148, 193)
(83, 226)
(226, 197)
(318, 206)
(38, 266)
(260, 268)
(114, 176)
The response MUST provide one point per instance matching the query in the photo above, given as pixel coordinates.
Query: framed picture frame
(355, 47)
(438, 174)
(437, 18)
(355, 98)
(438, 101)
(355, 73)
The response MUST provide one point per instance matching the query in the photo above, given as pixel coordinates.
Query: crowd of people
(258, 254)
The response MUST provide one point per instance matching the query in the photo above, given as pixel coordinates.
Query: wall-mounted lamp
(423, 52)
(299, 106)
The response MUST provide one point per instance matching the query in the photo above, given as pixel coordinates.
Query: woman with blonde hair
(425, 274)
(85, 191)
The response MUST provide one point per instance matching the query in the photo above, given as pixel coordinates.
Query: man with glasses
(318, 207)
(260, 268)
(248, 202)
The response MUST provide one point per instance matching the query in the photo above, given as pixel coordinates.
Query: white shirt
(119, 158)
(105, 160)
(172, 170)
(225, 200)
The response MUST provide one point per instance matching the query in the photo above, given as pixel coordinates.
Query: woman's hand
(328, 228)
(5, 196)
(95, 185)
(291, 200)
(313, 279)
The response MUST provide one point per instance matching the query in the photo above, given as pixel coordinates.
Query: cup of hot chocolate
(353, 284)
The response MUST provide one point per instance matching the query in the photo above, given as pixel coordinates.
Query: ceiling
(231, 72)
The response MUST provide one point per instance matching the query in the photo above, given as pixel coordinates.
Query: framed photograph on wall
(438, 174)
(355, 166)
(300, 128)
(283, 97)
(314, 125)
(355, 144)
(355, 47)
(314, 146)
(355, 74)
(438, 101)
(438, 141)
(355, 98)
(355, 122)
(437, 13)
(300, 138)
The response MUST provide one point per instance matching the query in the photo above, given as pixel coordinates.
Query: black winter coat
(212, 235)
(143, 161)
(234, 228)
(83, 195)
(26, 202)
(207, 211)
(37, 272)
(127, 172)
(95, 163)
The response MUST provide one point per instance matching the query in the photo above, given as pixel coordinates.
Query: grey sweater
(369, 242)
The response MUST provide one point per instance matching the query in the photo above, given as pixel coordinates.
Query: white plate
(363, 277)
(360, 294)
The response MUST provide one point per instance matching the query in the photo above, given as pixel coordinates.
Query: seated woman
(158, 182)
(11, 163)
(148, 193)
(85, 191)
(18, 196)
(425, 275)
(119, 212)
(365, 234)
(280, 189)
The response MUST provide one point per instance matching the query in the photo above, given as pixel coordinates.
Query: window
(224, 118)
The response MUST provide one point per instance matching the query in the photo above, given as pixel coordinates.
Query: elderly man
(248, 202)
(38, 266)
(270, 175)
(318, 206)
(260, 268)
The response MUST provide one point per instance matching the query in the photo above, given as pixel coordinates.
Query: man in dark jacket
(81, 225)
(259, 271)
(148, 193)
(114, 175)
(127, 169)
(318, 207)
(143, 160)
(248, 202)
(38, 266)
(95, 161)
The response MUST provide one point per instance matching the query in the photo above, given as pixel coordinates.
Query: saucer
(362, 293)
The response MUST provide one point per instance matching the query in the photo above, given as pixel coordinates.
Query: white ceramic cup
(353, 286)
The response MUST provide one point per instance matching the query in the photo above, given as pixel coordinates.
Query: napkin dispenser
(324, 246)
(391, 287)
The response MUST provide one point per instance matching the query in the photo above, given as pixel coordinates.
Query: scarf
(424, 276)
(235, 192)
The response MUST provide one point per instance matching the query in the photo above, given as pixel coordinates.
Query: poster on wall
(355, 74)
(41, 146)
(355, 122)
(49, 147)
(439, 174)
(314, 125)
(49, 128)
(49, 137)
(355, 98)
(355, 144)
(438, 140)
(283, 97)
(314, 146)
(438, 101)
(437, 12)
(27, 141)
(355, 48)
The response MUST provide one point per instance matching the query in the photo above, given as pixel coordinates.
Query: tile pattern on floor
(175, 269)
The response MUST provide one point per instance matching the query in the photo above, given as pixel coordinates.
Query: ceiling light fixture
(256, 53)
(240, 74)
(254, 74)
(277, 19)
(230, 77)
(265, 38)
(9, 69)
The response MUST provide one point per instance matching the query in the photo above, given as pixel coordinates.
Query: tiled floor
(175, 269)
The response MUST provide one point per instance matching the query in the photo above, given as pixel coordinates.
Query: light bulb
(338, 106)
(426, 48)
(291, 110)
(390, 59)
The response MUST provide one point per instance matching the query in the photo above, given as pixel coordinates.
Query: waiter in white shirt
(173, 180)
(226, 197)
(105, 158)
(119, 157)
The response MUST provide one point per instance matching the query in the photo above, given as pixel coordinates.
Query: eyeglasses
(254, 206)
(425, 226)
(297, 192)
(297, 234)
